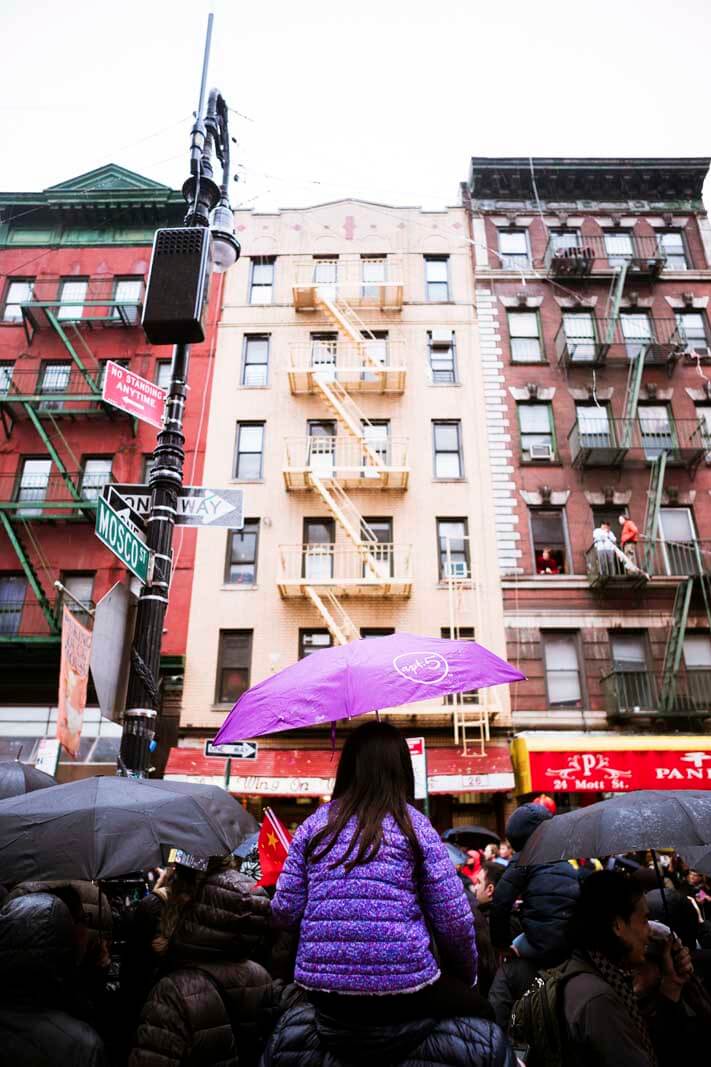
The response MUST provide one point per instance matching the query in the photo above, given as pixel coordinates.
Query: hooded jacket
(37, 962)
(369, 930)
(214, 1006)
(305, 1037)
(548, 893)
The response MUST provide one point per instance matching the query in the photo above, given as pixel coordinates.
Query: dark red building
(593, 286)
(73, 265)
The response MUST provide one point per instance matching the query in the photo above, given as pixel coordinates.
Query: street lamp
(175, 304)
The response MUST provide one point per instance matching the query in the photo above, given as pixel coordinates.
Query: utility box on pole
(176, 294)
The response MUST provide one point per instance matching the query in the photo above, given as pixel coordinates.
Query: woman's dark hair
(186, 887)
(604, 897)
(374, 779)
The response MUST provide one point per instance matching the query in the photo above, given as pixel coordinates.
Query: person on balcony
(629, 537)
(605, 543)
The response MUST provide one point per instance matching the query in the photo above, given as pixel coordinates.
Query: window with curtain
(692, 327)
(562, 667)
(580, 336)
(524, 331)
(619, 247)
(72, 294)
(513, 249)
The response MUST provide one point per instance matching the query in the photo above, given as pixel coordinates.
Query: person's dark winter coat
(306, 1037)
(37, 965)
(548, 893)
(214, 1004)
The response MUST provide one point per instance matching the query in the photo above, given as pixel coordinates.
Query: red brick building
(73, 263)
(593, 284)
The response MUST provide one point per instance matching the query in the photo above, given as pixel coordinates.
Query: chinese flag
(273, 845)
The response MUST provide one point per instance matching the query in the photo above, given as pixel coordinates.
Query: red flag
(273, 845)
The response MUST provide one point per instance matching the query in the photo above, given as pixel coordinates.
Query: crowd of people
(373, 949)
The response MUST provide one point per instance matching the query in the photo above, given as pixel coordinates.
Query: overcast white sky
(383, 99)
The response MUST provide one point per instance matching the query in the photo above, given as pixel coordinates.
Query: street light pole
(204, 198)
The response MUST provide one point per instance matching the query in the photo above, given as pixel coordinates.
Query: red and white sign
(137, 396)
(419, 765)
(621, 771)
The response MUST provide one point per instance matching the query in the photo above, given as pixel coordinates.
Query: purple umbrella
(362, 676)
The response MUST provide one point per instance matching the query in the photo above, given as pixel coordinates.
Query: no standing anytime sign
(137, 396)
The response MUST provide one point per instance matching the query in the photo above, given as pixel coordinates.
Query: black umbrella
(698, 857)
(471, 836)
(629, 822)
(17, 778)
(455, 854)
(107, 827)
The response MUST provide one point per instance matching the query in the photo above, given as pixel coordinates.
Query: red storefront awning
(308, 773)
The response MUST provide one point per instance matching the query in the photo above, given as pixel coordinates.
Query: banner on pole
(73, 679)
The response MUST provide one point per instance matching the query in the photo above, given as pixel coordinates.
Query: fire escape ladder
(30, 573)
(345, 318)
(92, 382)
(675, 644)
(49, 445)
(654, 503)
(339, 623)
(352, 522)
(634, 384)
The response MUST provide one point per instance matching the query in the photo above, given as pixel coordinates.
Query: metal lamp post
(207, 241)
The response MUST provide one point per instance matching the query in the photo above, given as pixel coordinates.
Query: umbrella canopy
(107, 827)
(455, 854)
(18, 778)
(471, 836)
(698, 857)
(627, 823)
(349, 680)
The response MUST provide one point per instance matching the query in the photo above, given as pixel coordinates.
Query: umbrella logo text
(427, 668)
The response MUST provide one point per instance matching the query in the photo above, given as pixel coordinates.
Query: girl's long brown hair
(374, 779)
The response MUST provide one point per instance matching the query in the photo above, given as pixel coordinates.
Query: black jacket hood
(37, 948)
(523, 822)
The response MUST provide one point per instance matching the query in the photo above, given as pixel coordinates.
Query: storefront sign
(418, 756)
(620, 771)
(73, 679)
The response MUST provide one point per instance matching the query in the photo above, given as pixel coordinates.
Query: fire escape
(348, 452)
(60, 389)
(648, 342)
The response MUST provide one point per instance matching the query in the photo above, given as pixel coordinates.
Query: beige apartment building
(348, 402)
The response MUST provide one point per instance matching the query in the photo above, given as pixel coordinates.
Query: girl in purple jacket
(372, 890)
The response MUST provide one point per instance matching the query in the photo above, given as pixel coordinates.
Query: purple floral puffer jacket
(366, 931)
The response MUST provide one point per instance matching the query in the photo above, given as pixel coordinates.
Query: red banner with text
(620, 772)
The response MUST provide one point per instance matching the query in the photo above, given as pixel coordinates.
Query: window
(524, 331)
(54, 379)
(96, 473)
(562, 667)
(657, 429)
(448, 461)
(33, 483)
(250, 451)
(376, 343)
(594, 427)
(437, 278)
(102, 368)
(261, 284)
(322, 446)
(146, 469)
(241, 568)
(618, 247)
(127, 294)
(536, 428)
(697, 652)
(637, 332)
(373, 273)
(563, 241)
(453, 548)
(72, 294)
(383, 530)
(513, 249)
(377, 438)
(692, 327)
(376, 631)
(325, 270)
(703, 414)
(319, 538)
(234, 660)
(579, 327)
(81, 587)
(6, 370)
(163, 368)
(324, 349)
(12, 599)
(255, 360)
(671, 243)
(19, 292)
(311, 641)
(634, 685)
(550, 542)
(443, 366)
(679, 543)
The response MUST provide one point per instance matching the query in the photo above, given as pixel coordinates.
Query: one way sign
(232, 749)
(197, 505)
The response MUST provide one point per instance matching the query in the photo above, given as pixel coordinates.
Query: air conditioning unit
(456, 569)
(698, 352)
(441, 336)
(541, 452)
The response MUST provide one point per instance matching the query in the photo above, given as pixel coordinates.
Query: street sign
(128, 391)
(124, 511)
(232, 749)
(121, 540)
(197, 505)
(114, 622)
(419, 765)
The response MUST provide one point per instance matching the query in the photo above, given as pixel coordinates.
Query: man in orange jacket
(629, 537)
